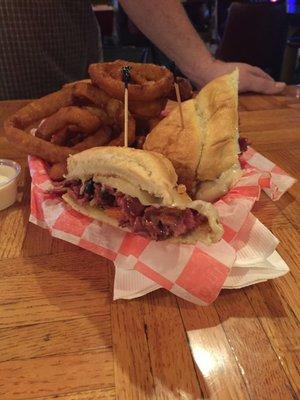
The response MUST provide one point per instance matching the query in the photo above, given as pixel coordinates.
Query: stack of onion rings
(112, 110)
(90, 112)
(98, 124)
(100, 138)
(78, 119)
(147, 91)
(15, 125)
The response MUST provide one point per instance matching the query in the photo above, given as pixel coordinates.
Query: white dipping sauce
(3, 180)
(8, 185)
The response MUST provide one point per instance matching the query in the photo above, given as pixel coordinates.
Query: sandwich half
(205, 152)
(137, 191)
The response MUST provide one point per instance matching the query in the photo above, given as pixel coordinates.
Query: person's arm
(166, 24)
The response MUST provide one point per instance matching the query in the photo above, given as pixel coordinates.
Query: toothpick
(126, 118)
(172, 68)
(126, 79)
(177, 91)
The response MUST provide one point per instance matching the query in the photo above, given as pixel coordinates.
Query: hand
(252, 79)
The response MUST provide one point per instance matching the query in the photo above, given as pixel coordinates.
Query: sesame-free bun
(148, 176)
(208, 143)
(137, 173)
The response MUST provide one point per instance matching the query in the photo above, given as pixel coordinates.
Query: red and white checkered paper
(194, 272)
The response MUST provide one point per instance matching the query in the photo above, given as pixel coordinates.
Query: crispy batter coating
(86, 122)
(112, 107)
(148, 81)
(71, 115)
(147, 110)
(100, 138)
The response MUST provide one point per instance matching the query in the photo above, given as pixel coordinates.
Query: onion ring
(100, 113)
(147, 110)
(60, 137)
(148, 81)
(86, 122)
(100, 138)
(35, 111)
(15, 125)
(68, 136)
(75, 138)
(141, 109)
(112, 107)
(56, 171)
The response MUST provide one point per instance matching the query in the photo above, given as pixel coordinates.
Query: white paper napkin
(256, 261)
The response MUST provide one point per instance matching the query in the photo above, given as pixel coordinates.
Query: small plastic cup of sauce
(9, 172)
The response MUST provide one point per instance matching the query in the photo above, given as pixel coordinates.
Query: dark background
(258, 32)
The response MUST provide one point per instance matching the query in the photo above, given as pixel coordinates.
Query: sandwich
(137, 191)
(205, 152)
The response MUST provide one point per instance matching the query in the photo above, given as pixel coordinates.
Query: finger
(259, 72)
(265, 86)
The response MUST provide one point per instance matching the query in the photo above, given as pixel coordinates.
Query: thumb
(265, 86)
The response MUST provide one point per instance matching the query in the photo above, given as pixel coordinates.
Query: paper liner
(196, 273)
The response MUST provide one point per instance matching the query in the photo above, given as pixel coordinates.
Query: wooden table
(61, 336)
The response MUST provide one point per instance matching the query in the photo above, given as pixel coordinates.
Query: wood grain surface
(62, 337)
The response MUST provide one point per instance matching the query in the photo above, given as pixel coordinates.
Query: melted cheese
(212, 190)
